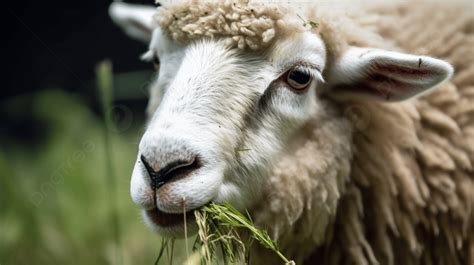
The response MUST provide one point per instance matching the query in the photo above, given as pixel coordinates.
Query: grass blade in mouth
(218, 224)
(220, 227)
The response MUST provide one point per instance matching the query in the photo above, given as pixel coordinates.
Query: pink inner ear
(389, 82)
(383, 86)
(392, 82)
(401, 71)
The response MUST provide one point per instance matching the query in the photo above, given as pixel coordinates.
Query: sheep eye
(298, 79)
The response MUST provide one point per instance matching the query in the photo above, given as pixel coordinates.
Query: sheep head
(231, 103)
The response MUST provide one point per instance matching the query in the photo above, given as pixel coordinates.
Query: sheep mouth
(163, 219)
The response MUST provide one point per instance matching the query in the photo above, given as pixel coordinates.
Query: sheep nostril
(151, 173)
(164, 174)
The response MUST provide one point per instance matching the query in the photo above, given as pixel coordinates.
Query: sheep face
(221, 117)
(224, 115)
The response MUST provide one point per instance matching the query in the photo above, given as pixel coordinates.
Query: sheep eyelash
(309, 69)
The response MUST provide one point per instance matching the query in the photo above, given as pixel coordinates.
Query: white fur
(135, 20)
(207, 90)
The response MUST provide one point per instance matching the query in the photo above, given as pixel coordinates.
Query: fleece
(367, 182)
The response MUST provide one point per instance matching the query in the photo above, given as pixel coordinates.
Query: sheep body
(410, 194)
(403, 192)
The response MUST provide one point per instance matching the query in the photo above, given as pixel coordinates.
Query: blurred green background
(58, 203)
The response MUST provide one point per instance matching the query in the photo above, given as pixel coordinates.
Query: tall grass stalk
(185, 228)
(105, 86)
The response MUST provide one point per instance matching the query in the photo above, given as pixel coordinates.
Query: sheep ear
(135, 20)
(384, 75)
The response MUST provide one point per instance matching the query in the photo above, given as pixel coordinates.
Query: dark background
(58, 43)
(65, 168)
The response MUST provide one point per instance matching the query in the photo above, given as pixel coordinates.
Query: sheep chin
(170, 225)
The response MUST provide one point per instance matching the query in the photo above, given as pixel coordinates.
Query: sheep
(316, 118)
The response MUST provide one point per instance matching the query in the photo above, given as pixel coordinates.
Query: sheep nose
(171, 170)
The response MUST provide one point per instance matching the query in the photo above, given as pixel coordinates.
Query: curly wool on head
(256, 25)
(240, 23)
